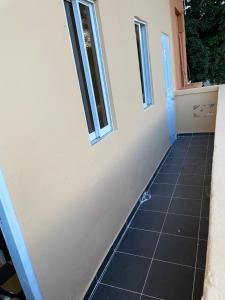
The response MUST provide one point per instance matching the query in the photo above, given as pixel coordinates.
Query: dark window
(79, 65)
(93, 63)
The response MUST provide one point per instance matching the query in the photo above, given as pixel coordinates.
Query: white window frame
(145, 61)
(99, 132)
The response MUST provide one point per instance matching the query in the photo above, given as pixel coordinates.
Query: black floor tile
(148, 220)
(186, 191)
(199, 283)
(194, 166)
(169, 281)
(160, 189)
(198, 143)
(177, 249)
(139, 242)
(206, 193)
(205, 209)
(184, 137)
(211, 145)
(202, 249)
(181, 225)
(200, 136)
(209, 162)
(196, 155)
(169, 178)
(179, 147)
(170, 168)
(104, 292)
(208, 179)
(157, 203)
(208, 169)
(204, 227)
(188, 179)
(127, 271)
(173, 159)
(179, 152)
(209, 157)
(147, 298)
(199, 150)
(185, 207)
(210, 150)
(199, 146)
(193, 169)
(199, 161)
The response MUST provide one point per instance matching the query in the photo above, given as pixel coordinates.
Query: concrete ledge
(214, 286)
(193, 110)
(213, 88)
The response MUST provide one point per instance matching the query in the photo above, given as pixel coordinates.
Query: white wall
(214, 287)
(71, 198)
(200, 119)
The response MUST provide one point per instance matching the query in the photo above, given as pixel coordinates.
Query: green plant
(205, 31)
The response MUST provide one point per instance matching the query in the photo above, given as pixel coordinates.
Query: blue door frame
(16, 246)
(168, 83)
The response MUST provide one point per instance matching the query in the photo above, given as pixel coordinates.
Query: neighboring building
(179, 40)
(84, 124)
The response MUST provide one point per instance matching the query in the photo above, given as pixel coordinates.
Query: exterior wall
(179, 40)
(71, 198)
(196, 109)
(215, 266)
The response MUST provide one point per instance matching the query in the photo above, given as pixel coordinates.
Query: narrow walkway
(162, 255)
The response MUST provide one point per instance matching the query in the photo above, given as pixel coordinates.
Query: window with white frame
(144, 62)
(85, 39)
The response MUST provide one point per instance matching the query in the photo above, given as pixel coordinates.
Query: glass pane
(79, 65)
(93, 63)
(139, 58)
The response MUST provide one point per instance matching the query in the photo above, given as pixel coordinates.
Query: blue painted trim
(16, 246)
(122, 231)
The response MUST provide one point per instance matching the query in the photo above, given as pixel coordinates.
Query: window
(144, 63)
(83, 28)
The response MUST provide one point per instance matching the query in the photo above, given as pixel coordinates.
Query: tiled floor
(163, 253)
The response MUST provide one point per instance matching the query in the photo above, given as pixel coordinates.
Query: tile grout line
(99, 280)
(142, 292)
(199, 227)
(196, 199)
(162, 163)
(156, 259)
(171, 213)
(183, 198)
(119, 288)
(184, 173)
(123, 289)
(193, 185)
(167, 233)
